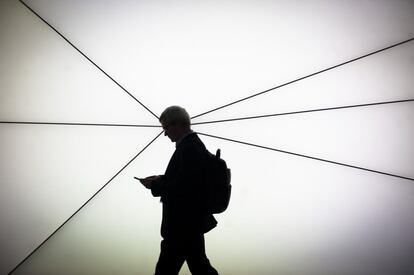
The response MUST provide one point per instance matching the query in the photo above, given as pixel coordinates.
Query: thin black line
(90, 60)
(304, 111)
(80, 124)
(304, 77)
(309, 157)
(17, 266)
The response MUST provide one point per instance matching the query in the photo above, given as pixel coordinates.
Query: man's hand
(148, 181)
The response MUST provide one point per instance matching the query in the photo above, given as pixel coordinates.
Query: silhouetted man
(184, 221)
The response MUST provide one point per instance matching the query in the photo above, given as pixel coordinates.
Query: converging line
(80, 124)
(83, 205)
(306, 76)
(306, 156)
(304, 111)
(90, 60)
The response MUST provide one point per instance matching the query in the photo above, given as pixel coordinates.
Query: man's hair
(175, 115)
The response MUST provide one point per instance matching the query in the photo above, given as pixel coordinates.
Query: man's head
(176, 122)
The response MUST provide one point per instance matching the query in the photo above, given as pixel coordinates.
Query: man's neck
(186, 133)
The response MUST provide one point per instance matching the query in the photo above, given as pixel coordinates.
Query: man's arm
(189, 168)
(187, 175)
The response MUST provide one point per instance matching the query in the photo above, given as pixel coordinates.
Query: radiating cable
(83, 205)
(306, 156)
(80, 124)
(90, 60)
(304, 77)
(304, 111)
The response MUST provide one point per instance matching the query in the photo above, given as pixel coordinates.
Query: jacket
(181, 191)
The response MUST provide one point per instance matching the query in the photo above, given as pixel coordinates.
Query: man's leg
(196, 257)
(171, 258)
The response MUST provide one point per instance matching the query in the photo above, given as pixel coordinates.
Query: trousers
(174, 251)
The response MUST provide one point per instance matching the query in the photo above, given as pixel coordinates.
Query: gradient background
(288, 215)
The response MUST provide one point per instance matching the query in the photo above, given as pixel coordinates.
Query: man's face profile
(173, 131)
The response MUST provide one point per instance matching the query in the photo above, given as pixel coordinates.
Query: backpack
(217, 184)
